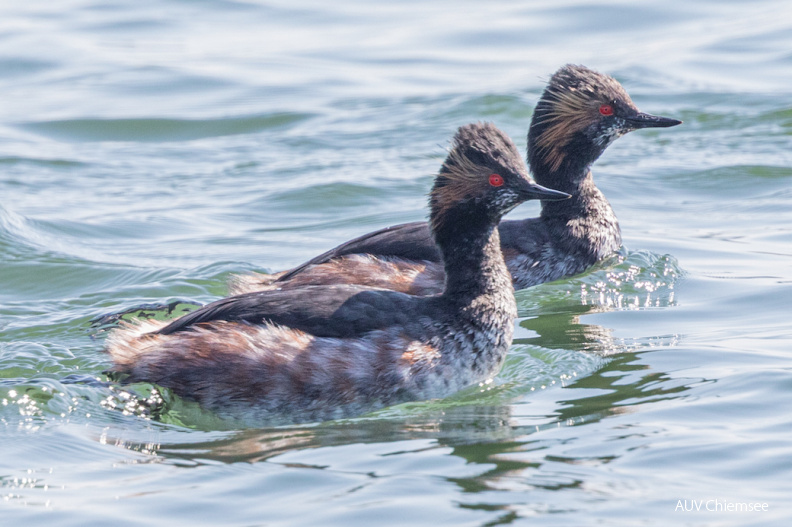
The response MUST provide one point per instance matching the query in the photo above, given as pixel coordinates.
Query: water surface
(150, 149)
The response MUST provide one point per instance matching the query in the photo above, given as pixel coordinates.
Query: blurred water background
(148, 149)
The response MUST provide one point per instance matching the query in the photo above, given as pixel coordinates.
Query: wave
(161, 129)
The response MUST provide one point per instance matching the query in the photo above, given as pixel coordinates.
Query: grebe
(327, 352)
(579, 114)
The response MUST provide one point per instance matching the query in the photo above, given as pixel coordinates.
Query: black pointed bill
(534, 191)
(645, 120)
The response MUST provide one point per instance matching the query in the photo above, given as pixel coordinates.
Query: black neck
(470, 244)
(586, 199)
(575, 166)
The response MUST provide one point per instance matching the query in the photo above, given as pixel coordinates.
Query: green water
(150, 149)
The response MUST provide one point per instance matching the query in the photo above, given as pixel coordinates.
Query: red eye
(495, 180)
(606, 109)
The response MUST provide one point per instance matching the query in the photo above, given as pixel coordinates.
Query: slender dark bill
(534, 191)
(645, 120)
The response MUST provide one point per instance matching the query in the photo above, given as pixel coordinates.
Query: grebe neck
(585, 199)
(474, 267)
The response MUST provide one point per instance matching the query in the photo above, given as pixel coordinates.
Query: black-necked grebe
(324, 352)
(579, 114)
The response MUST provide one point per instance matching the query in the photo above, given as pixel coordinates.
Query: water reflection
(624, 382)
(563, 329)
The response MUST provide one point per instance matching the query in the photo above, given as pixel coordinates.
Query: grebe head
(579, 114)
(484, 175)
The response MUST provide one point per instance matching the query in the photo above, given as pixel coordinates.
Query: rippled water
(150, 149)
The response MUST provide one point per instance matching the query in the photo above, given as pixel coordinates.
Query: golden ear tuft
(565, 114)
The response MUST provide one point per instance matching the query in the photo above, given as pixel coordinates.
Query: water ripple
(629, 280)
(160, 129)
